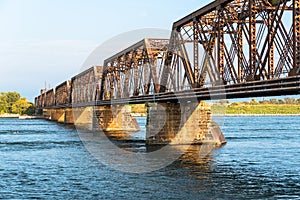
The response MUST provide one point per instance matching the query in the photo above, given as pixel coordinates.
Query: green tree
(253, 102)
(223, 102)
(235, 104)
(12, 97)
(273, 101)
(264, 102)
(30, 110)
(3, 103)
(289, 100)
(21, 106)
(11, 102)
(280, 101)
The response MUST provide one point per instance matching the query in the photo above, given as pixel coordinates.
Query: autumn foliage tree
(20, 106)
(11, 102)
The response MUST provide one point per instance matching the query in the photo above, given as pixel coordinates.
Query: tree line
(287, 100)
(12, 102)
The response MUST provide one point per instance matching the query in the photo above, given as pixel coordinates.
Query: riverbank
(9, 115)
(239, 109)
(233, 115)
(236, 109)
(30, 117)
(255, 115)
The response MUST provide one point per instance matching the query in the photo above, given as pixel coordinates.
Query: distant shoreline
(138, 114)
(255, 115)
(15, 116)
(233, 115)
(9, 115)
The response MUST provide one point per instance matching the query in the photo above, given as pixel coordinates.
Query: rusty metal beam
(252, 42)
(202, 11)
(134, 70)
(85, 84)
(63, 93)
(296, 37)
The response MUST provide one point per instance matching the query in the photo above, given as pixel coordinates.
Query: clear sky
(49, 40)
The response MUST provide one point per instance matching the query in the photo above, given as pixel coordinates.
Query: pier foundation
(54, 114)
(83, 117)
(116, 118)
(61, 115)
(167, 123)
(181, 123)
(69, 119)
(107, 118)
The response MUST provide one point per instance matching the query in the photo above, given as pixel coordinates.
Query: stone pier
(167, 123)
(61, 115)
(54, 114)
(107, 118)
(83, 117)
(116, 118)
(181, 123)
(47, 113)
(69, 118)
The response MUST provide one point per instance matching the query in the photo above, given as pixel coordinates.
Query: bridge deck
(278, 87)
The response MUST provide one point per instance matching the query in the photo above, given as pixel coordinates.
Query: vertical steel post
(196, 53)
(240, 51)
(271, 47)
(296, 36)
(221, 49)
(252, 40)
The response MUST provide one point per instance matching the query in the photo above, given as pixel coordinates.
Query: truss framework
(235, 41)
(227, 42)
(134, 71)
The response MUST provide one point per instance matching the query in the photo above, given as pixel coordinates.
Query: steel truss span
(230, 42)
(247, 48)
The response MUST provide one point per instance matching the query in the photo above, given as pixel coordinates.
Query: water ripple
(42, 160)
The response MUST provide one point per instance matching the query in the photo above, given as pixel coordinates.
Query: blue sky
(49, 40)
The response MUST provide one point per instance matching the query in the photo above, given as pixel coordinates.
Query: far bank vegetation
(271, 106)
(13, 103)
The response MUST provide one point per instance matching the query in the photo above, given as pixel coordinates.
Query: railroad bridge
(227, 49)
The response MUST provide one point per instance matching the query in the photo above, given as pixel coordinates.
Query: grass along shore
(240, 109)
(261, 109)
(233, 109)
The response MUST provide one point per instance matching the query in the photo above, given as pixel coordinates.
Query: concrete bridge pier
(107, 118)
(181, 123)
(83, 117)
(54, 114)
(47, 113)
(116, 118)
(61, 115)
(69, 118)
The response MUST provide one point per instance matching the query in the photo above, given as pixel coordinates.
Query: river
(45, 160)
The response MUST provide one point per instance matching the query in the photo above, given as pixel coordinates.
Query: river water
(44, 160)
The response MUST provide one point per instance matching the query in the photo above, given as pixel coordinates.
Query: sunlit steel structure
(229, 48)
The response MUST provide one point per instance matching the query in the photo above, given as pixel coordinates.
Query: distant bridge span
(227, 49)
